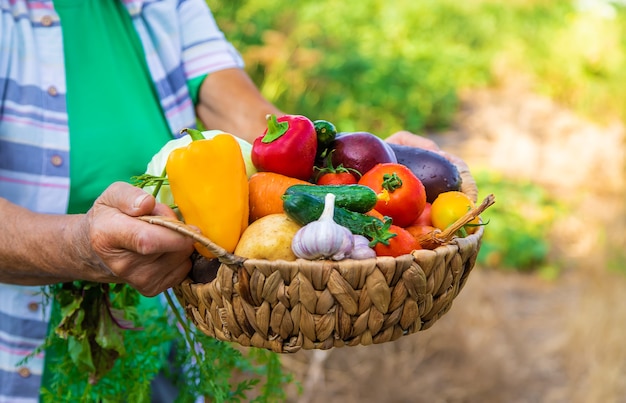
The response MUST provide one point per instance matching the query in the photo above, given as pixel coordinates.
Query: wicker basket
(287, 306)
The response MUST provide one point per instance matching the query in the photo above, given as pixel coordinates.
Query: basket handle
(438, 237)
(222, 254)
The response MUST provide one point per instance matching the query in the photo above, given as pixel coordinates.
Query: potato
(268, 238)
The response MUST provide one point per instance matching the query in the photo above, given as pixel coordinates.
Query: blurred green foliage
(517, 233)
(383, 66)
(376, 65)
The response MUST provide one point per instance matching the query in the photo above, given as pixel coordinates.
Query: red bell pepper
(287, 147)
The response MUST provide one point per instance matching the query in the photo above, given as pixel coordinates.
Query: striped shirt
(181, 41)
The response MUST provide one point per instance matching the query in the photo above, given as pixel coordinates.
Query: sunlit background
(531, 94)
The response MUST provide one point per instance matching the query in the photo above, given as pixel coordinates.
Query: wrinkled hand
(121, 248)
(406, 138)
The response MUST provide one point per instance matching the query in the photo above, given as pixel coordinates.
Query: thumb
(127, 198)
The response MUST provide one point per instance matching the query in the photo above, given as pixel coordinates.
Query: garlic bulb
(323, 238)
(361, 248)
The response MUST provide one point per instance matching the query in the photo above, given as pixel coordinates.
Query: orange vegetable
(265, 192)
(375, 213)
(419, 230)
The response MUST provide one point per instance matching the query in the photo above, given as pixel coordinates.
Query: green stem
(275, 129)
(158, 185)
(86, 392)
(179, 318)
(391, 182)
(195, 134)
(187, 334)
(144, 180)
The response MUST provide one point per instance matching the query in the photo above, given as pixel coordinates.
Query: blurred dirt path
(511, 337)
(526, 136)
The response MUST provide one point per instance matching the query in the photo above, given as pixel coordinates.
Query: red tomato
(401, 194)
(449, 207)
(425, 218)
(401, 244)
(329, 175)
(336, 178)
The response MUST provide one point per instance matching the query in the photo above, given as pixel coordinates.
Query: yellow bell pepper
(209, 184)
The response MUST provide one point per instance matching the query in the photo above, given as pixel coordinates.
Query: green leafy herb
(202, 366)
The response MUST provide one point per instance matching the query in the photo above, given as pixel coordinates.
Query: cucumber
(358, 198)
(304, 208)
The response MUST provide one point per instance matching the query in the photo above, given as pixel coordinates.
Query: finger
(163, 210)
(128, 199)
(115, 233)
(406, 138)
(150, 238)
(164, 273)
(176, 275)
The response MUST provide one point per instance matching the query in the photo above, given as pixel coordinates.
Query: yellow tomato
(449, 207)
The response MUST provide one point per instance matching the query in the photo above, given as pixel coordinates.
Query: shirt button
(46, 20)
(33, 306)
(52, 91)
(24, 372)
(56, 160)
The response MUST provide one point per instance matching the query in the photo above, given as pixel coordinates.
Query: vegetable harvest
(385, 213)
(209, 183)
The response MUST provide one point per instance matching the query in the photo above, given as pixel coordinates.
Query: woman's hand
(406, 138)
